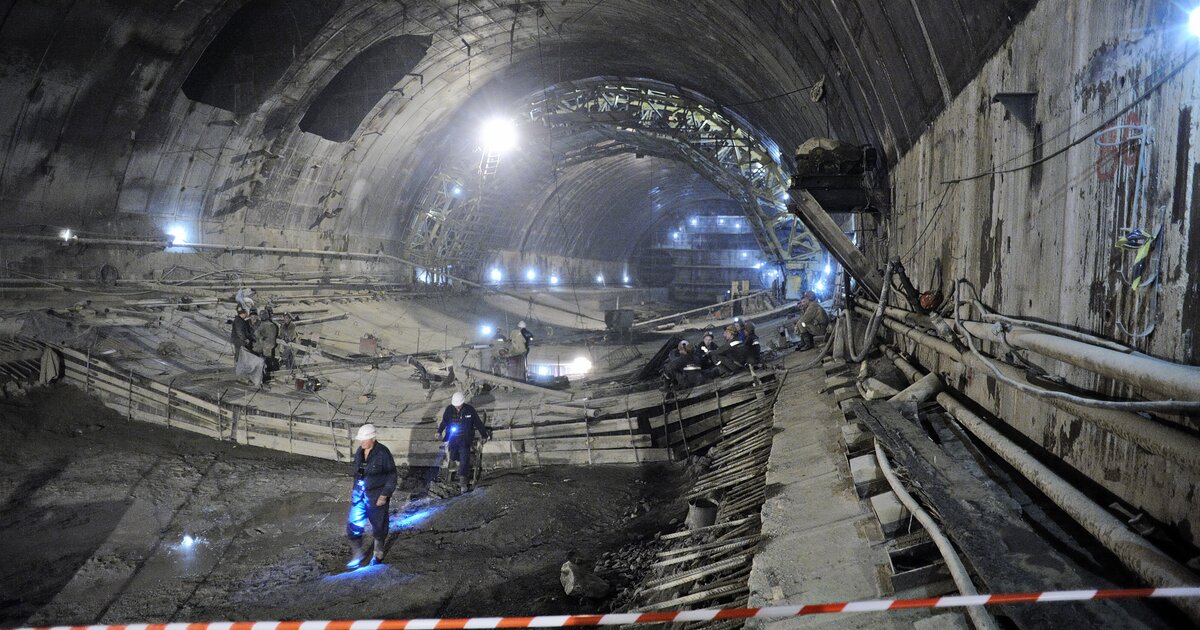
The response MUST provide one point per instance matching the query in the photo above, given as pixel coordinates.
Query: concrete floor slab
(820, 541)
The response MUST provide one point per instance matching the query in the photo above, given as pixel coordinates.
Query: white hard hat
(366, 432)
(521, 324)
(458, 398)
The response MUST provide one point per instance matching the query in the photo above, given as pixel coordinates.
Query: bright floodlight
(66, 235)
(744, 254)
(543, 370)
(456, 191)
(694, 221)
(819, 286)
(178, 234)
(787, 196)
(553, 279)
(579, 365)
(625, 278)
(188, 541)
(486, 330)
(498, 135)
(530, 275)
(1194, 22)
(675, 235)
(495, 275)
(599, 278)
(828, 269)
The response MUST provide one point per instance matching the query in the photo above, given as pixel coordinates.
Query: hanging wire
(1084, 137)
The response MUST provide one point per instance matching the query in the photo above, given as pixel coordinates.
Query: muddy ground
(96, 512)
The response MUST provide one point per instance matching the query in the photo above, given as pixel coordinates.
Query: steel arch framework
(629, 116)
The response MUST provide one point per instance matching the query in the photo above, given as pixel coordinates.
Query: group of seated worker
(688, 365)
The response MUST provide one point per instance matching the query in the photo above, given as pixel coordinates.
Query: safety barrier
(710, 614)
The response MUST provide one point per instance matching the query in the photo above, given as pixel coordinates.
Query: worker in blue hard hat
(374, 483)
(459, 423)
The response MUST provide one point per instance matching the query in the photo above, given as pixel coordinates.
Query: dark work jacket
(379, 471)
(241, 334)
(465, 423)
(753, 347)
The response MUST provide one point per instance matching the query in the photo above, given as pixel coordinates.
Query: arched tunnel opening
(615, 312)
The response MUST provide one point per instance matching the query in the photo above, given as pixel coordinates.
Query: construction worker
(242, 336)
(683, 366)
(265, 336)
(732, 356)
(753, 345)
(519, 339)
(459, 423)
(526, 335)
(374, 482)
(707, 347)
(814, 321)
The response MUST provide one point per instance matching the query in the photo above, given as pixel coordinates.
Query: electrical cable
(873, 326)
(1087, 116)
(1167, 406)
(936, 213)
(1083, 138)
(772, 97)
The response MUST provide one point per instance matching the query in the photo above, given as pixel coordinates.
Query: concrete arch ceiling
(95, 117)
(569, 133)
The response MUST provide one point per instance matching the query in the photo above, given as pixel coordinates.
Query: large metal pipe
(1143, 558)
(1157, 438)
(1174, 380)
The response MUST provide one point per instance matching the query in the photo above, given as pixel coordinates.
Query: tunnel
(720, 314)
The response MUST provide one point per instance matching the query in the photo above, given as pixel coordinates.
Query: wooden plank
(597, 443)
(986, 525)
(580, 458)
(573, 429)
(515, 384)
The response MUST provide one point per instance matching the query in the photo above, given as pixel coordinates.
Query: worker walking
(459, 423)
(374, 483)
(814, 321)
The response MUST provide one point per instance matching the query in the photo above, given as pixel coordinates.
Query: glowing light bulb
(496, 275)
(498, 135)
(178, 234)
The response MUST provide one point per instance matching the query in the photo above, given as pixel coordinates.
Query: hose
(1166, 406)
(979, 615)
(873, 326)
(1049, 329)
(820, 357)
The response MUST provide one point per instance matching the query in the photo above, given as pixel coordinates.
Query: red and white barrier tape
(616, 619)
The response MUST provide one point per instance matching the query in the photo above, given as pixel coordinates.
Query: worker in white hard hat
(460, 421)
(521, 340)
(374, 483)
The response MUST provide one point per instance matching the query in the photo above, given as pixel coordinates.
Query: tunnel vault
(582, 122)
